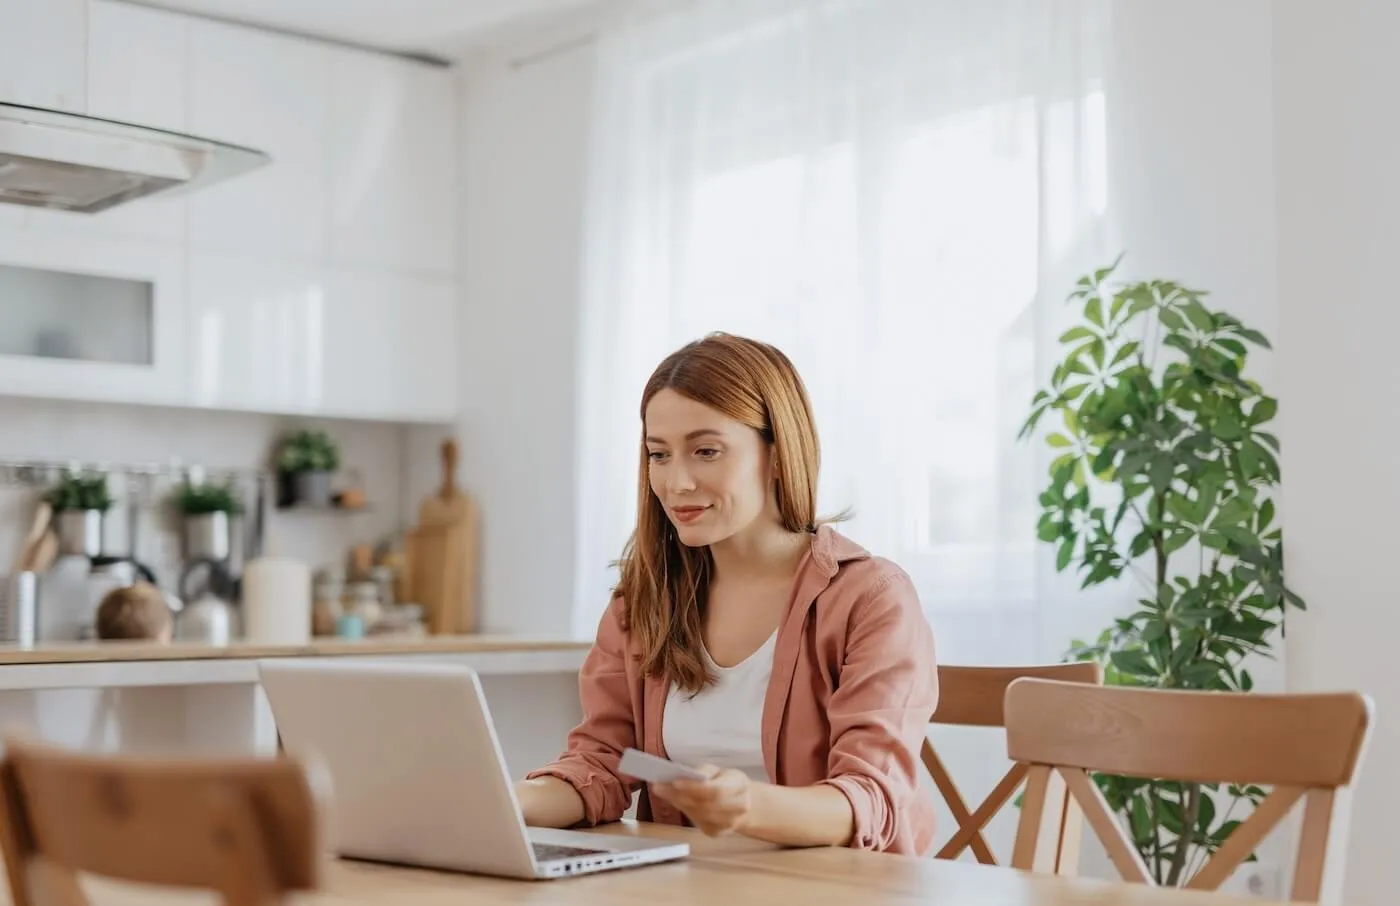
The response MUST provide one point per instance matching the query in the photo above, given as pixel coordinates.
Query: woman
(789, 664)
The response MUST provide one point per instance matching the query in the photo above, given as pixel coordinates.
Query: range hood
(70, 162)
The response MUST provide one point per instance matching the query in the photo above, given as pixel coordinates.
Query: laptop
(418, 774)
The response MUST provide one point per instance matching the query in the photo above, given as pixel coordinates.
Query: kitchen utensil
(446, 540)
(44, 553)
(19, 610)
(43, 515)
(208, 620)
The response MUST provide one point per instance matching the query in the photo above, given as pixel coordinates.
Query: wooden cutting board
(442, 553)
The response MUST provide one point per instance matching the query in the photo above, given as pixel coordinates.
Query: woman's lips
(687, 514)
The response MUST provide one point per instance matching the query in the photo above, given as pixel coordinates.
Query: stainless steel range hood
(71, 162)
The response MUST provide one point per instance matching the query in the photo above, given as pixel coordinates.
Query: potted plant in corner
(309, 458)
(208, 510)
(79, 503)
(1164, 471)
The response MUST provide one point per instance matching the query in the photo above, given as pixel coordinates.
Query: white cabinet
(272, 93)
(295, 338)
(393, 147)
(321, 284)
(92, 318)
(146, 87)
(391, 345)
(43, 53)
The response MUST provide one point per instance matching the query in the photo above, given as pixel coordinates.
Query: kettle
(207, 618)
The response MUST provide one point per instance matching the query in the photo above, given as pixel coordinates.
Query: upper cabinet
(391, 160)
(43, 53)
(321, 284)
(272, 93)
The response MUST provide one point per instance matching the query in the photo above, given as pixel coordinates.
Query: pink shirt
(853, 687)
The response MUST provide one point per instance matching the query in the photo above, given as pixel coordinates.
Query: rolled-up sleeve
(589, 762)
(879, 714)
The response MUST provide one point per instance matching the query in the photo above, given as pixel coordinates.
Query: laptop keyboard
(546, 852)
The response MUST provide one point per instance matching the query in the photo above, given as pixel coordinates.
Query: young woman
(793, 667)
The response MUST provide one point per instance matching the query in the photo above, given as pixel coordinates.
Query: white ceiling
(450, 29)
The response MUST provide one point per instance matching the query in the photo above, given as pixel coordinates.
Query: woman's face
(711, 473)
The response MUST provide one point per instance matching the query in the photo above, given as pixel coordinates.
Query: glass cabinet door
(91, 318)
(81, 317)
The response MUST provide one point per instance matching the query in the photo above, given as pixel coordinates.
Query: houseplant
(1163, 471)
(208, 510)
(79, 503)
(309, 458)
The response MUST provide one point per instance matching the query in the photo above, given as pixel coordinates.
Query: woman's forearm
(818, 815)
(549, 802)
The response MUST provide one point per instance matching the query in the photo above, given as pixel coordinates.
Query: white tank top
(722, 725)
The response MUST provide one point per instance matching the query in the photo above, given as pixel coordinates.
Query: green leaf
(1254, 337)
(1093, 311)
(1059, 440)
(1077, 333)
(1134, 662)
(1205, 814)
(1065, 555)
(1265, 517)
(1199, 317)
(1124, 351)
(1263, 411)
(1171, 319)
(1141, 822)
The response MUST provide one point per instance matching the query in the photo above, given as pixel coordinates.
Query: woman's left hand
(717, 805)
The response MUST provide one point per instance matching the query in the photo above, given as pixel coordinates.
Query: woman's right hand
(549, 802)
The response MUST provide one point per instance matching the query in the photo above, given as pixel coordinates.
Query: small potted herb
(208, 510)
(310, 458)
(79, 503)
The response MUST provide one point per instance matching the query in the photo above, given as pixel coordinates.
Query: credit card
(643, 766)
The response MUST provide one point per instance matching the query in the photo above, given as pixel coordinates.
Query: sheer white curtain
(897, 193)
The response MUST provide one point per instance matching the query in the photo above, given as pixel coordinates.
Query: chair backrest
(1306, 746)
(973, 697)
(248, 828)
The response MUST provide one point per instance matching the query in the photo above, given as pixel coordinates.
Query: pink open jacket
(852, 691)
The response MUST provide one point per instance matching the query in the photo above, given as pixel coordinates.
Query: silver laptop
(418, 774)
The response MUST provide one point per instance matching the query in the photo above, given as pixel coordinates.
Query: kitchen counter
(187, 697)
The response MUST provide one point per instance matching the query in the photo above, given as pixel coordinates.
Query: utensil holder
(207, 536)
(79, 532)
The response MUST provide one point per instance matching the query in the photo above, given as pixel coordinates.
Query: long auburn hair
(664, 582)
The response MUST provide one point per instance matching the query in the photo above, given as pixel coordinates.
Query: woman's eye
(706, 453)
(656, 456)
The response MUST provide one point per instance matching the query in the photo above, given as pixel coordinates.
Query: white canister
(277, 601)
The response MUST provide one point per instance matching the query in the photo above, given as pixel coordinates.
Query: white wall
(524, 131)
(1337, 142)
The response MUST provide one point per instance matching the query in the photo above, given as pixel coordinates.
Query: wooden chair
(973, 697)
(1306, 746)
(249, 829)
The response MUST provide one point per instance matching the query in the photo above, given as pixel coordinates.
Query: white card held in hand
(639, 764)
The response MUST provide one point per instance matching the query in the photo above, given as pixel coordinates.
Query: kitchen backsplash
(376, 455)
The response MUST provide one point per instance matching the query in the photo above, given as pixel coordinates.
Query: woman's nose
(678, 478)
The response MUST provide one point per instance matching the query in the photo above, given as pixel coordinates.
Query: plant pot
(79, 532)
(207, 536)
(314, 488)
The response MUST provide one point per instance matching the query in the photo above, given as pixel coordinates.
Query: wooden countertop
(730, 870)
(105, 651)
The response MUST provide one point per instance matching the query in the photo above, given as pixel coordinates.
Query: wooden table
(729, 871)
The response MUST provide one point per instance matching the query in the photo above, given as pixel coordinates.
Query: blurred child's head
(136, 611)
